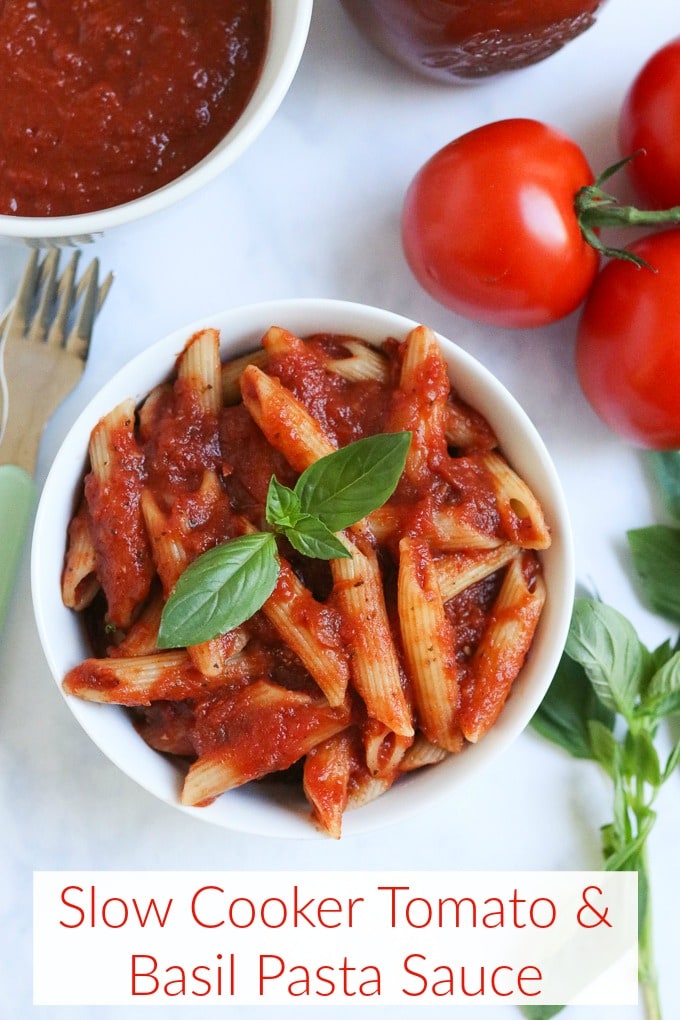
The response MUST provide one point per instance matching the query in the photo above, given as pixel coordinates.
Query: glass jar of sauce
(457, 40)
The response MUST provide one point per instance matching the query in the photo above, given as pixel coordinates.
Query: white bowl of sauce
(113, 112)
(271, 807)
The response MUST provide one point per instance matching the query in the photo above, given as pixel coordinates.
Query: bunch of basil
(607, 702)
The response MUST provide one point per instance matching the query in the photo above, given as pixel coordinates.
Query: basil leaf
(655, 551)
(282, 508)
(662, 697)
(219, 590)
(609, 841)
(662, 654)
(606, 644)
(665, 466)
(312, 538)
(606, 748)
(640, 757)
(566, 709)
(349, 483)
(672, 763)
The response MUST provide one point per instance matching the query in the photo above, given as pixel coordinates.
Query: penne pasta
(309, 629)
(167, 676)
(200, 370)
(522, 518)
(421, 753)
(169, 555)
(142, 636)
(428, 646)
(79, 582)
(384, 749)
(312, 631)
(286, 423)
(215, 657)
(113, 491)
(279, 342)
(446, 528)
(465, 429)
(458, 570)
(504, 646)
(326, 776)
(376, 674)
(287, 723)
(196, 520)
(364, 789)
(419, 403)
(361, 364)
(232, 372)
(108, 441)
(139, 680)
(153, 409)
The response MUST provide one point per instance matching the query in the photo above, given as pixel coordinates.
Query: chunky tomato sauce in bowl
(203, 480)
(113, 111)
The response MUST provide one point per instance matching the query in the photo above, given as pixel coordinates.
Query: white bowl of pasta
(355, 687)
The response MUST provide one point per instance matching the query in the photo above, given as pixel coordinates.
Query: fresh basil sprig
(608, 698)
(230, 582)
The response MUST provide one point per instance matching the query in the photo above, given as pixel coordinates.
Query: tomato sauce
(346, 410)
(458, 39)
(105, 102)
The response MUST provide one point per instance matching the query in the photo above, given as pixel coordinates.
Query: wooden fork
(44, 342)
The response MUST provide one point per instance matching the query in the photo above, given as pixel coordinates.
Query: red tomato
(649, 120)
(489, 228)
(628, 344)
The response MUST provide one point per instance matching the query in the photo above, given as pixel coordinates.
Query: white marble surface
(313, 210)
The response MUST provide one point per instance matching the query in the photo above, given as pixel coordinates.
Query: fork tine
(104, 289)
(45, 286)
(18, 313)
(87, 293)
(64, 301)
(92, 298)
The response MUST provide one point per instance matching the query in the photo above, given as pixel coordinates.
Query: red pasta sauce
(103, 102)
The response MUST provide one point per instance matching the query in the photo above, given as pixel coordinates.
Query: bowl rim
(241, 327)
(289, 28)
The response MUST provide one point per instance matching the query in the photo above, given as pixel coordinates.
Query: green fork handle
(17, 501)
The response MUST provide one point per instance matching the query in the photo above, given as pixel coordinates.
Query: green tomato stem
(604, 212)
(596, 208)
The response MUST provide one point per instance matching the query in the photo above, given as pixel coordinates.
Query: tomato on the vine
(628, 344)
(489, 227)
(648, 122)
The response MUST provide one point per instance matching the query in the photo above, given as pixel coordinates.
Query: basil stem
(606, 702)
